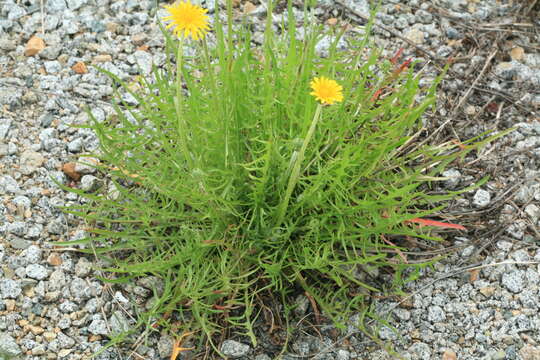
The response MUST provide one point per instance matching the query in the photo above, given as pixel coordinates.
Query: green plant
(227, 188)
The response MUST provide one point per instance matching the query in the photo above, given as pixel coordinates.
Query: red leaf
(396, 57)
(427, 222)
(376, 95)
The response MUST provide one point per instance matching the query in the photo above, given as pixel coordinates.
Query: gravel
(234, 349)
(51, 304)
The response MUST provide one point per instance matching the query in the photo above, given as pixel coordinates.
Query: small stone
(499, 355)
(470, 110)
(30, 161)
(36, 271)
(83, 267)
(449, 355)
(120, 297)
(481, 198)
(533, 211)
(144, 61)
(234, 349)
(517, 53)
(18, 243)
(443, 52)
(487, 291)
(85, 165)
(436, 314)
(8, 346)
(98, 327)
(52, 67)
(9, 289)
(56, 226)
(57, 280)
(164, 346)
(102, 58)
(45, 120)
(50, 52)
(55, 6)
(5, 124)
(52, 296)
(49, 336)
(79, 68)
(118, 323)
(17, 228)
(69, 170)
(302, 304)
(263, 357)
(10, 304)
(65, 341)
(80, 290)
(513, 281)
(415, 35)
(54, 259)
(507, 70)
(93, 338)
(90, 183)
(33, 254)
(64, 352)
(112, 27)
(139, 39)
(7, 44)
(343, 355)
(16, 12)
(38, 350)
(75, 4)
(249, 7)
(34, 46)
(529, 352)
(36, 330)
(424, 17)
(75, 146)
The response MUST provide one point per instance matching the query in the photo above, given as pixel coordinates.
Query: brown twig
(315, 308)
(468, 92)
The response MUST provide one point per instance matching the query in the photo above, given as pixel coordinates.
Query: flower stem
(295, 173)
(181, 122)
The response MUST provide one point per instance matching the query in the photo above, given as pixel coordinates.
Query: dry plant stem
(181, 123)
(295, 173)
(468, 92)
(390, 30)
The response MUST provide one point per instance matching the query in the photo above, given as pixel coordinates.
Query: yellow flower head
(326, 91)
(187, 19)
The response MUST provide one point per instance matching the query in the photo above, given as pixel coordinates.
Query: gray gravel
(52, 306)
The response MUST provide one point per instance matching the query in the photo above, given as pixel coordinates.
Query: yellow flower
(327, 91)
(187, 19)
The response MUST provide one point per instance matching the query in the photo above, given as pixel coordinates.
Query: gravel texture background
(480, 302)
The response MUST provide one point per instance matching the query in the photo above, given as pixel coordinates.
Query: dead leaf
(449, 355)
(517, 53)
(428, 222)
(79, 68)
(34, 46)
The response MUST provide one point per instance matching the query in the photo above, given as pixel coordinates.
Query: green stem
(181, 123)
(295, 173)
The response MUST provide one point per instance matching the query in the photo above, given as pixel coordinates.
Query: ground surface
(481, 302)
